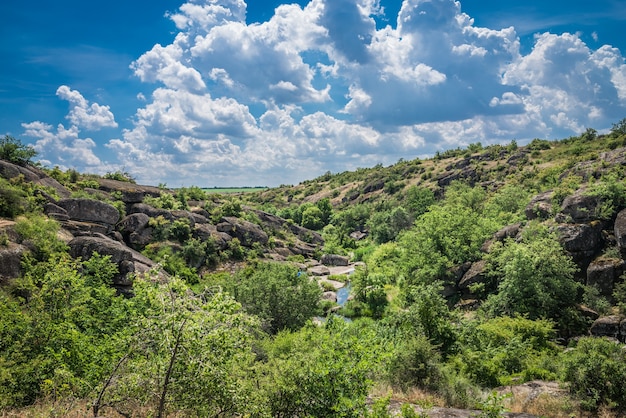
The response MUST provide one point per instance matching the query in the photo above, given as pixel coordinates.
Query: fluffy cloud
(91, 117)
(321, 87)
(62, 146)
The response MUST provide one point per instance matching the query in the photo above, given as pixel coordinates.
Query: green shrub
(280, 295)
(40, 233)
(596, 372)
(13, 199)
(415, 362)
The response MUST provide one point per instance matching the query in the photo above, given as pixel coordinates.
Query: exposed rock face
(334, 260)
(151, 211)
(246, 232)
(318, 271)
(205, 232)
(32, 174)
(580, 207)
(135, 230)
(540, 207)
(275, 223)
(469, 174)
(56, 212)
(475, 275)
(127, 260)
(609, 326)
(88, 210)
(509, 231)
(619, 229)
(602, 274)
(130, 193)
(331, 296)
(581, 241)
(373, 186)
(11, 261)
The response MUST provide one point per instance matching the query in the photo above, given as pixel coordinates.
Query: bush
(13, 200)
(415, 363)
(279, 294)
(596, 371)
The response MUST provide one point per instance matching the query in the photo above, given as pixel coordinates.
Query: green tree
(312, 218)
(536, 278)
(326, 208)
(280, 295)
(418, 200)
(385, 226)
(60, 331)
(188, 353)
(14, 151)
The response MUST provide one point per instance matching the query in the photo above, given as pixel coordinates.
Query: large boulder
(581, 241)
(508, 232)
(151, 211)
(334, 260)
(205, 232)
(11, 261)
(246, 232)
(130, 193)
(619, 228)
(580, 207)
(135, 230)
(9, 170)
(275, 223)
(602, 274)
(56, 212)
(88, 210)
(474, 276)
(127, 260)
(540, 206)
(608, 326)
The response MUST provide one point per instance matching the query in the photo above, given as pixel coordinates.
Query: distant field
(225, 190)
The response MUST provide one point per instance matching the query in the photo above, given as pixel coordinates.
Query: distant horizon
(277, 93)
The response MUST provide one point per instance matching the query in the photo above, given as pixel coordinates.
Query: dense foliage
(224, 331)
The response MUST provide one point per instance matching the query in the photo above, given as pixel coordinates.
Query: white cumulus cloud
(323, 87)
(91, 117)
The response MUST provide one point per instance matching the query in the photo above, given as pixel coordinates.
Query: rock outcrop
(128, 261)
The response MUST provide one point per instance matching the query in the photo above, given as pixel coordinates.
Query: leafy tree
(536, 278)
(188, 353)
(385, 226)
(493, 351)
(280, 295)
(14, 151)
(619, 128)
(369, 289)
(312, 218)
(448, 234)
(418, 200)
(326, 208)
(60, 331)
(415, 362)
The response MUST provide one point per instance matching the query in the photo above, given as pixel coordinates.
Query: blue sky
(222, 93)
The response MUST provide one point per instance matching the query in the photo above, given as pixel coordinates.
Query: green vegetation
(14, 151)
(457, 293)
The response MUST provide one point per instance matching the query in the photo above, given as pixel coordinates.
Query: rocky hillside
(111, 218)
